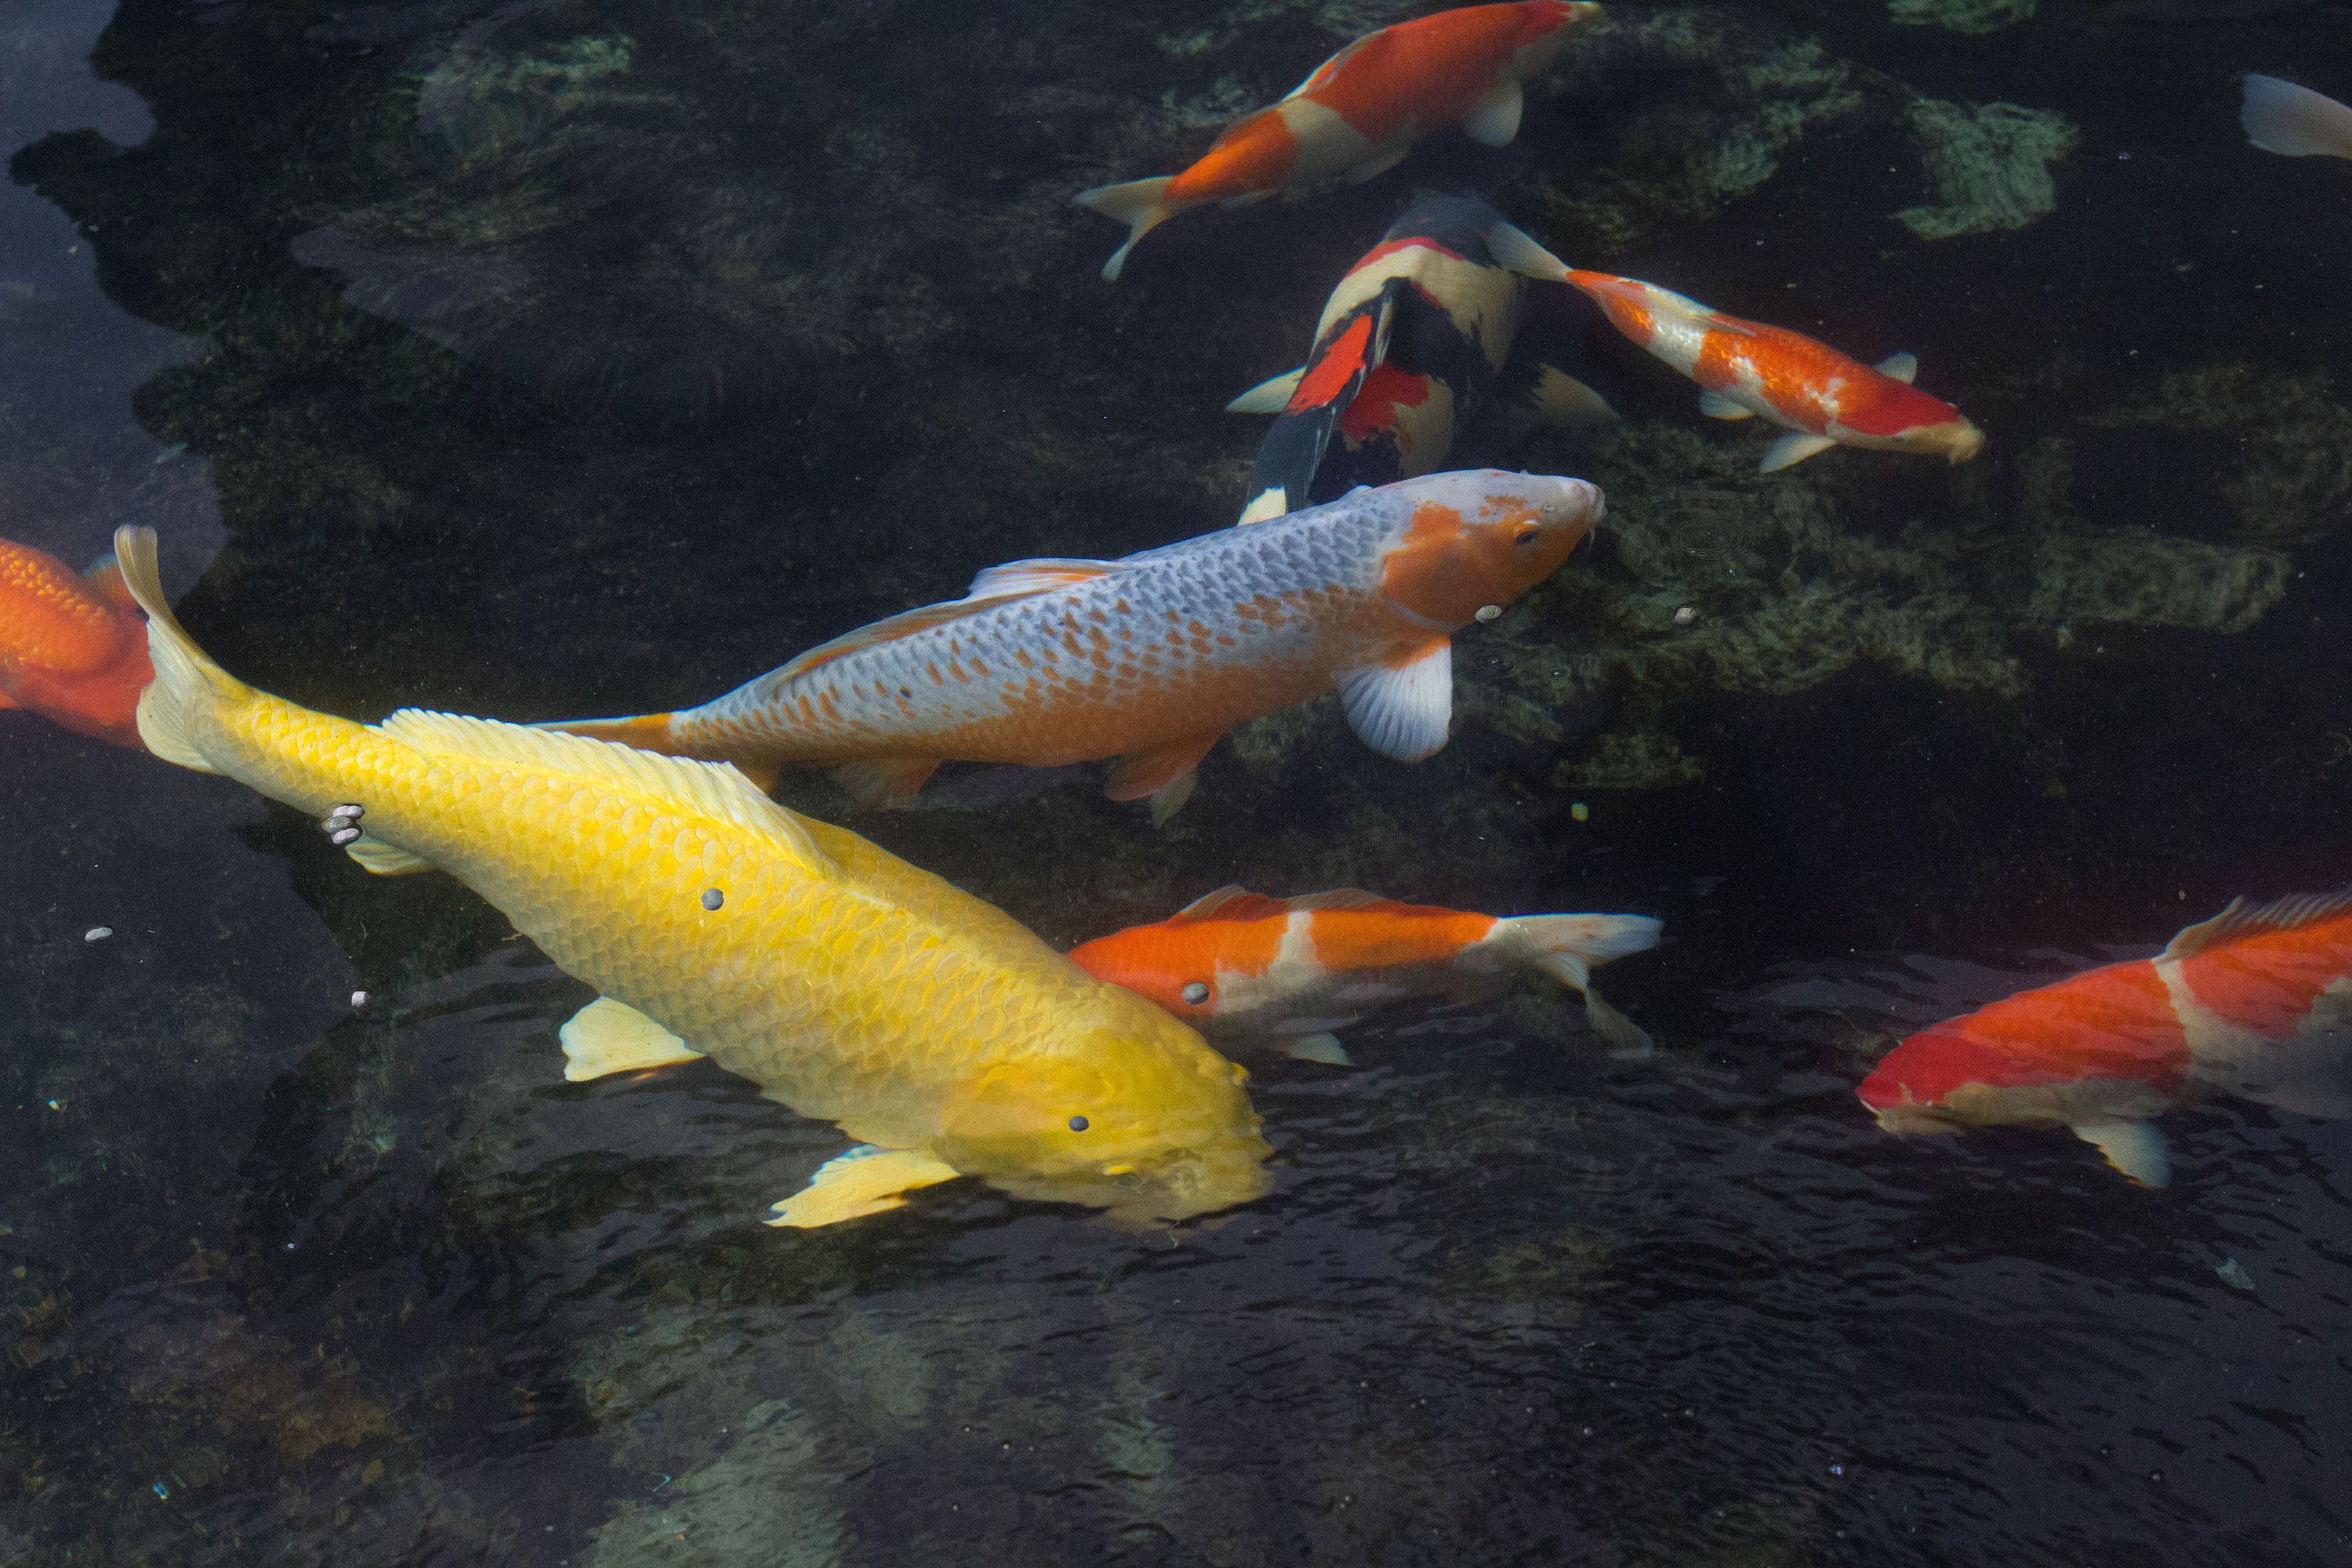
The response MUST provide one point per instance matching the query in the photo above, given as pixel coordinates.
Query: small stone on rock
(1686, 616)
(359, 998)
(98, 933)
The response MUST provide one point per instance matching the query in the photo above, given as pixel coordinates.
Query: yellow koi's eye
(1078, 1124)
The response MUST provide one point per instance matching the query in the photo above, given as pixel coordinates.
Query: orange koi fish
(1297, 968)
(1816, 394)
(2256, 1002)
(1153, 657)
(72, 649)
(1361, 111)
(2281, 117)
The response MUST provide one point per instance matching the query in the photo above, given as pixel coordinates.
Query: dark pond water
(531, 359)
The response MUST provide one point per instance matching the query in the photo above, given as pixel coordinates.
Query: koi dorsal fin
(1229, 902)
(2242, 918)
(714, 789)
(1337, 898)
(996, 585)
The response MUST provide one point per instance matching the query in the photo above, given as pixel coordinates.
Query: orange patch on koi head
(1477, 540)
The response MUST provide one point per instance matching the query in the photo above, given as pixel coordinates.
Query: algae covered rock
(1990, 163)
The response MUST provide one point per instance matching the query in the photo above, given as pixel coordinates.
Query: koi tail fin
(1140, 204)
(655, 733)
(2281, 117)
(188, 686)
(1565, 947)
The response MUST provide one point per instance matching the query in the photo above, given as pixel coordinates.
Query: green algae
(2277, 447)
(1962, 15)
(1991, 165)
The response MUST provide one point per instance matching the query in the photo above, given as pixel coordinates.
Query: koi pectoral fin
(1324, 1049)
(866, 1180)
(1715, 405)
(2135, 1148)
(1793, 447)
(609, 1037)
(1402, 709)
(1496, 120)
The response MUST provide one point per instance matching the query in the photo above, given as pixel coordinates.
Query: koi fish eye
(1078, 1124)
(1196, 993)
(1526, 533)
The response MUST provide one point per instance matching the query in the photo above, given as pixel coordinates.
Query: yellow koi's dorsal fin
(2242, 918)
(864, 1181)
(997, 585)
(1229, 902)
(713, 788)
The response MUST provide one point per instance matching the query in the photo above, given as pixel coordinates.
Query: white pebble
(1488, 612)
(1686, 616)
(359, 998)
(98, 933)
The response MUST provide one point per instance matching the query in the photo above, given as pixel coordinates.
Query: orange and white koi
(1745, 368)
(2281, 117)
(2255, 1003)
(72, 649)
(1361, 111)
(1297, 968)
(1153, 657)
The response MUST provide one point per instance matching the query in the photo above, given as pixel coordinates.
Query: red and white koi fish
(1819, 396)
(1408, 346)
(72, 649)
(1361, 111)
(2281, 117)
(1153, 657)
(1297, 968)
(2256, 1002)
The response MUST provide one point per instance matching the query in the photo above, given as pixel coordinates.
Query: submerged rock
(1990, 163)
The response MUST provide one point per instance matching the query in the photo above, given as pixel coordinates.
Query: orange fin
(105, 580)
(1229, 902)
(2241, 919)
(878, 782)
(1148, 773)
(997, 585)
(646, 732)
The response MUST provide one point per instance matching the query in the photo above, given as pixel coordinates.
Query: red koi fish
(1409, 345)
(2281, 117)
(2256, 1002)
(1816, 394)
(1361, 111)
(1153, 657)
(1296, 968)
(72, 649)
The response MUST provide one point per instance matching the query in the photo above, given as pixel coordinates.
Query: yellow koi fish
(845, 983)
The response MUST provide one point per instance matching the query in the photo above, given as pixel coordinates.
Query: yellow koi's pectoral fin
(381, 859)
(881, 782)
(1164, 773)
(1793, 447)
(608, 1036)
(866, 1180)
(2135, 1148)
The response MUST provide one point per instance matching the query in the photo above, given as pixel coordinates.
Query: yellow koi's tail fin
(654, 732)
(188, 685)
(1139, 203)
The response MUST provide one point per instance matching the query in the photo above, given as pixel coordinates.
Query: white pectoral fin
(864, 1181)
(1627, 1040)
(1715, 405)
(2135, 1148)
(1403, 711)
(1324, 1049)
(381, 859)
(1793, 447)
(1271, 396)
(1901, 367)
(609, 1037)
(1496, 120)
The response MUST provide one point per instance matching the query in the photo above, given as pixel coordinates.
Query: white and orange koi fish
(2256, 1002)
(1153, 657)
(1296, 968)
(1361, 111)
(1745, 368)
